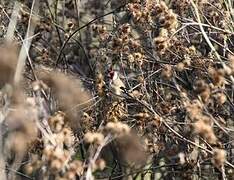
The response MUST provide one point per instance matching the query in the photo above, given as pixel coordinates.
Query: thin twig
(80, 28)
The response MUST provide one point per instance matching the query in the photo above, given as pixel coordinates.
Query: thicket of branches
(59, 117)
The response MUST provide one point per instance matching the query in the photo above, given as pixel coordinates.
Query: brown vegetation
(130, 89)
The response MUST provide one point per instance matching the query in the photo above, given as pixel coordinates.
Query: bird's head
(112, 75)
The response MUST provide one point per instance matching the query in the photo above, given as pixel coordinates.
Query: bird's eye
(122, 88)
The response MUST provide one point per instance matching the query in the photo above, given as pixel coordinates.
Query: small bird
(116, 84)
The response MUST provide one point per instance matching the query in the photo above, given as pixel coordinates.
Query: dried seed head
(187, 60)
(56, 165)
(77, 167)
(125, 29)
(205, 131)
(159, 40)
(137, 56)
(48, 151)
(100, 84)
(167, 72)
(96, 138)
(163, 32)
(29, 169)
(131, 58)
(57, 121)
(117, 128)
(221, 98)
(194, 110)
(70, 175)
(68, 137)
(219, 157)
(69, 92)
(100, 164)
(180, 66)
(203, 90)
(88, 137)
(136, 94)
(217, 77)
